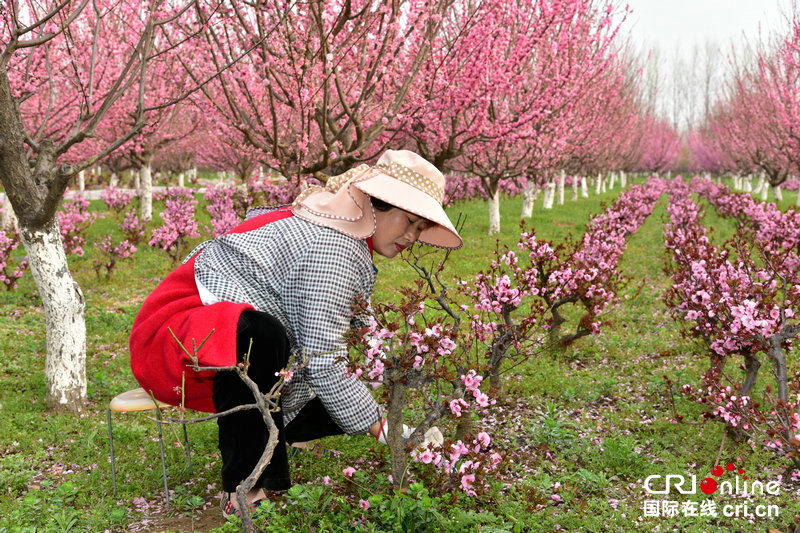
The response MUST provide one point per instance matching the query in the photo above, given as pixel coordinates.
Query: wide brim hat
(400, 178)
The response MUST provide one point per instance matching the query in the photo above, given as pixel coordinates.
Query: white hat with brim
(400, 178)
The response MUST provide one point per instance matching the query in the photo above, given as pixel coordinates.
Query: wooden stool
(140, 400)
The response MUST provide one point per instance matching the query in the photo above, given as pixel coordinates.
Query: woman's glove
(384, 431)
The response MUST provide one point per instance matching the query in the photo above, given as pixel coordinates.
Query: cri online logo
(710, 485)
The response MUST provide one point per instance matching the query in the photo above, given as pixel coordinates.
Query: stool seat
(135, 400)
(140, 400)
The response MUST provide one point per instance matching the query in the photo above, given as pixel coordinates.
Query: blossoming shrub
(112, 253)
(741, 300)
(179, 222)
(220, 204)
(74, 221)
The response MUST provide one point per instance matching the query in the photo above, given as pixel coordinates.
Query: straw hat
(400, 178)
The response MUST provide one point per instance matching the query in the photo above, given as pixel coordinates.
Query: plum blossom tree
(55, 90)
(313, 86)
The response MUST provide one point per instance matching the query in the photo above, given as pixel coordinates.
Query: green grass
(588, 424)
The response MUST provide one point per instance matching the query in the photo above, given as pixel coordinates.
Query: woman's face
(396, 230)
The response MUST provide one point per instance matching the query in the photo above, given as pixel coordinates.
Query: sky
(669, 24)
(676, 29)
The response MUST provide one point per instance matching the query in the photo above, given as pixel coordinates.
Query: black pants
(243, 435)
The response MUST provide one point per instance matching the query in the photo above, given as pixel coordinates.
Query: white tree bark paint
(759, 185)
(603, 184)
(63, 310)
(612, 180)
(494, 213)
(584, 188)
(598, 184)
(147, 191)
(114, 180)
(137, 181)
(9, 221)
(574, 188)
(764, 192)
(181, 180)
(528, 198)
(561, 178)
(777, 193)
(81, 181)
(549, 195)
(747, 186)
(623, 180)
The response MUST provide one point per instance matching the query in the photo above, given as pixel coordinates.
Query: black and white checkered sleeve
(319, 294)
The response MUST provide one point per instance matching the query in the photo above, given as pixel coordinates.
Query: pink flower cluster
(9, 277)
(112, 254)
(74, 221)
(220, 205)
(179, 223)
(116, 200)
(470, 463)
(735, 306)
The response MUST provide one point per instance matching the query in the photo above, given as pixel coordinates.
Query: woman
(286, 280)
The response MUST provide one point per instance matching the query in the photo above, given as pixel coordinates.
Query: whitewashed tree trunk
(9, 221)
(777, 193)
(220, 177)
(260, 173)
(603, 184)
(137, 180)
(764, 192)
(63, 310)
(147, 191)
(598, 184)
(584, 188)
(549, 195)
(528, 198)
(561, 178)
(759, 185)
(81, 181)
(114, 180)
(574, 188)
(612, 181)
(181, 180)
(494, 213)
(623, 180)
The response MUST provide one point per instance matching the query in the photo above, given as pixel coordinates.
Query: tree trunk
(584, 188)
(549, 195)
(529, 198)
(147, 191)
(748, 184)
(777, 193)
(494, 212)
(574, 188)
(9, 221)
(603, 184)
(599, 184)
(765, 192)
(81, 181)
(759, 185)
(65, 365)
(623, 180)
(561, 179)
(181, 180)
(394, 418)
(114, 180)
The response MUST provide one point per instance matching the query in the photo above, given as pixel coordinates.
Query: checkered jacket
(306, 276)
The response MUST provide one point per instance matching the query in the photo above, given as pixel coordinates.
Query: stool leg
(163, 459)
(111, 448)
(188, 452)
